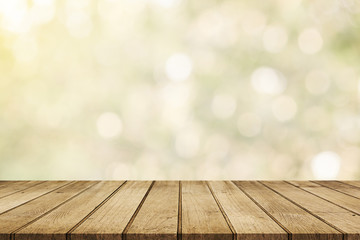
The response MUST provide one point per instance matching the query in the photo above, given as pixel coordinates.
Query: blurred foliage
(179, 89)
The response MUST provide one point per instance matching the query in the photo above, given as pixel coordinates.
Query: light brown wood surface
(176, 210)
(248, 220)
(158, 216)
(111, 219)
(341, 219)
(28, 194)
(332, 195)
(25, 214)
(353, 183)
(58, 222)
(201, 216)
(8, 188)
(341, 187)
(298, 222)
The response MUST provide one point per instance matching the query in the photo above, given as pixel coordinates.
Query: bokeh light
(249, 124)
(109, 125)
(223, 106)
(178, 67)
(274, 39)
(284, 108)
(310, 41)
(179, 89)
(267, 80)
(326, 165)
(317, 82)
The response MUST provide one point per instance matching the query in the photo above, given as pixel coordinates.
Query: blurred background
(179, 89)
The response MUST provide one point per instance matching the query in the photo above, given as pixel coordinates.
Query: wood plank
(341, 187)
(111, 219)
(21, 197)
(248, 220)
(214, 210)
(58, 222)
(9, 183)
(298, 222)
(353, 183)
(22, 215)
(12, 187)
(201, 216)
(338, 198)
(342, 219)
(158, 216)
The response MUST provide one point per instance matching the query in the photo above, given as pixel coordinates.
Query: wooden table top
(169, 210)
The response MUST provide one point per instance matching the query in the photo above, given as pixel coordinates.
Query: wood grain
(179, 210)
(8, 188)
(28, 194)
(201, 216)
(249, 221)
(299, 223)
(342, 219)
(158, 216)
(111, 219)
(338, 198)
(20, 216)
(341, 187)
(58, 222)
(353, 183)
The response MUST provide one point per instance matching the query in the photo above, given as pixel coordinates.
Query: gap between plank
(36, 197)
(68, 234)
(323, 198)
(232, 229)
(23, 189)
(12, 235)
(347, 184)
(321, 219)
(123, 235)
(267, 213)
(334, 189)
(179, 226)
